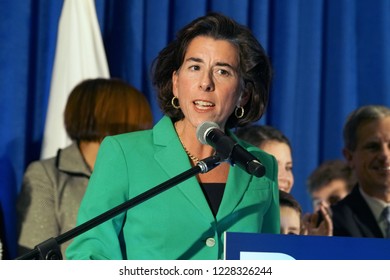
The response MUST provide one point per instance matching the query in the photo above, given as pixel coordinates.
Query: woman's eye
(223, 72)
(194, 67)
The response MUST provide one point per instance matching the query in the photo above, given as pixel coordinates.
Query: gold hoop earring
(239, 112)
(175, 102)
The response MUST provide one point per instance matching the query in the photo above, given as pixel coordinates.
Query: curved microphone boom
(209, 133)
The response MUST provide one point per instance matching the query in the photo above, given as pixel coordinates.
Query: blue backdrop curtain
(329, 56)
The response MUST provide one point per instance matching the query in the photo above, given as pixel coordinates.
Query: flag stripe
(79, 55)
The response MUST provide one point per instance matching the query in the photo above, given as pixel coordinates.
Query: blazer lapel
(173, 160)
(236, 186)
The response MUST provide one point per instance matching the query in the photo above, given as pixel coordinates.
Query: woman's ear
(174, 83)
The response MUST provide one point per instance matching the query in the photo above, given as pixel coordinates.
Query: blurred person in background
(330, 182)
(274, 142)
(290, 214)
(53, 188)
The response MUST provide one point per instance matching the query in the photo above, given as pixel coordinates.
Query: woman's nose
(206, 83)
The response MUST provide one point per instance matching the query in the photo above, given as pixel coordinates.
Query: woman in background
(274, 142)
(53, 188)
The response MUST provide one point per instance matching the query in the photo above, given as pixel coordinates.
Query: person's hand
(318, 223)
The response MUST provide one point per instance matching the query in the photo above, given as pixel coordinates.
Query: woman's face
(282, 153)
(207, 83)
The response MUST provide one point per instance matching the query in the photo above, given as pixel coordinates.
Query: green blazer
(178, 223)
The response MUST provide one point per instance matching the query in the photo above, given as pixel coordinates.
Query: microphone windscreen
(203, 129)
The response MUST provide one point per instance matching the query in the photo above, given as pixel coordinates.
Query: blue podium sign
(254, 246)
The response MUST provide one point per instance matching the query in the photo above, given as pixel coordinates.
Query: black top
(213, 193)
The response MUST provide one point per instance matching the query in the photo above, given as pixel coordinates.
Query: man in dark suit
(367, 150)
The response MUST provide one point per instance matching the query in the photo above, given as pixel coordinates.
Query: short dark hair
(254, 66)
(288, 200)
(361, 115)
(258, 134)
(100, 107)
(328, 171)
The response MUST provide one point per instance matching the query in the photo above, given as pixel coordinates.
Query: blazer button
(210, 242)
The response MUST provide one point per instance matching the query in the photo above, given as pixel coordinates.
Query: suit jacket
(353, 217)
(178, 223)
(50, 197)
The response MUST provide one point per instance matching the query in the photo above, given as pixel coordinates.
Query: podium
(255, 246)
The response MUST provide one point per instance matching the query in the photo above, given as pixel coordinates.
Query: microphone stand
(50, 250)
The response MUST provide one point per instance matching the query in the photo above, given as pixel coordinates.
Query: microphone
(210, 133)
